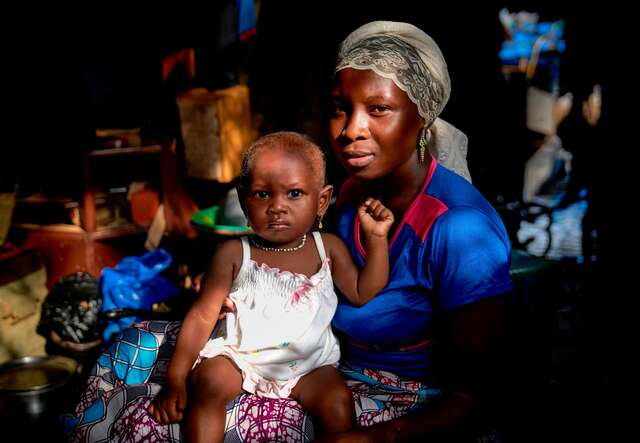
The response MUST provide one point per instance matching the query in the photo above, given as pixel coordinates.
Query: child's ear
(324, 199)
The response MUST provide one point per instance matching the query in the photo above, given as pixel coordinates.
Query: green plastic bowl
(207, 220)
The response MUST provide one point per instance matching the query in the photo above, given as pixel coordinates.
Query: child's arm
(361, 286)
(196, 328)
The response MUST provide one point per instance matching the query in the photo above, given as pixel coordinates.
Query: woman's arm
(360, 286)
(470, 362)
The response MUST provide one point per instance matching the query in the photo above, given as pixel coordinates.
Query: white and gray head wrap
(413, 61)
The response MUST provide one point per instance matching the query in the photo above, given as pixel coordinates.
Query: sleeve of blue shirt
(469, 257)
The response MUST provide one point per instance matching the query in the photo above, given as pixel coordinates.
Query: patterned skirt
(131, 372)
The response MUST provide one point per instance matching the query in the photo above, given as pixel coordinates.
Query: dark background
(77, 70)
(80, 71)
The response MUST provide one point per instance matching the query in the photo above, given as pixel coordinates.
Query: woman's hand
(227, 306)
(168, 406)
(375, 218)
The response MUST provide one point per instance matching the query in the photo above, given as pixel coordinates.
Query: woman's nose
(355, 127)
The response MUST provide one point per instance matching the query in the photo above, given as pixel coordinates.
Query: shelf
(41, 199)
(89, 199)
(116, 231)
(67, 249)
(58, 227)
(112, 152)
(89, 247)
(102, 233)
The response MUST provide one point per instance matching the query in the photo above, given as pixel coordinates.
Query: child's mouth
(278, 225)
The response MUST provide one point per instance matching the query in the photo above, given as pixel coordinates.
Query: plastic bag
(135, 283)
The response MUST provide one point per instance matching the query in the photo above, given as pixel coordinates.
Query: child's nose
(277, 206)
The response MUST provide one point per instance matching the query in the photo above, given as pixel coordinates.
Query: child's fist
(375, 218)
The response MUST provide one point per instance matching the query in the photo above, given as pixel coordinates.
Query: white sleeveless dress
(282, 327)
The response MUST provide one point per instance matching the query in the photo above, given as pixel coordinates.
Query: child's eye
(296, 193)
(261, 194)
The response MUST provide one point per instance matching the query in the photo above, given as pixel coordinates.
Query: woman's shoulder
(463, 214)
(469, 234)
(464, 202)
(452, 189)
(465, 220)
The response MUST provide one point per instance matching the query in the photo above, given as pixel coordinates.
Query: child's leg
(325, 395)
(214, 382)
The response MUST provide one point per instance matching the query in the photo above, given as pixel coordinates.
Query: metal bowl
(33, 386)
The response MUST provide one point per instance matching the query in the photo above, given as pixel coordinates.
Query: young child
(279, 341)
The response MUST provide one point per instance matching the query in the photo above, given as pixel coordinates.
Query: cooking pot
(36, 388)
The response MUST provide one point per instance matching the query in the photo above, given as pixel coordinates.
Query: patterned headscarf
(413, 61)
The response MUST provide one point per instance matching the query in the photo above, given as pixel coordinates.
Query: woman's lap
(129, 374)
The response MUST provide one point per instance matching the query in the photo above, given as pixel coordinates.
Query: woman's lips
(359, 160)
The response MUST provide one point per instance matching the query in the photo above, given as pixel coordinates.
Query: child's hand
(168, 406)
(375, 218)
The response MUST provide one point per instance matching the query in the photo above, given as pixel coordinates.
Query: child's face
(284, 197)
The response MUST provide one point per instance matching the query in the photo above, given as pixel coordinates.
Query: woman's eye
(378, 109)
(261, 194)
(295, 193)
(337, 107)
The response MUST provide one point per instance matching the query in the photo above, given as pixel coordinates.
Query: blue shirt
(449, 249)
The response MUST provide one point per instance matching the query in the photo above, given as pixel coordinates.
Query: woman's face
(374, 126)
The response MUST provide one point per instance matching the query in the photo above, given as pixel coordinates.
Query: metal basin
(34, 387)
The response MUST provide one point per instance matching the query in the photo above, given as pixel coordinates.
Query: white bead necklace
(266, 248)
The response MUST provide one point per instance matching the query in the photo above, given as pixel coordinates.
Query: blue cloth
(522, 41)
(132, 357)
(449, 249)
(246, 18)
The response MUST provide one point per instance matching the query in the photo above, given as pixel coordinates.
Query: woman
(417, 355)
(449, 251)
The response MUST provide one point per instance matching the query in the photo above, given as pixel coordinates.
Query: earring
(425, 137)
(320, 221)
